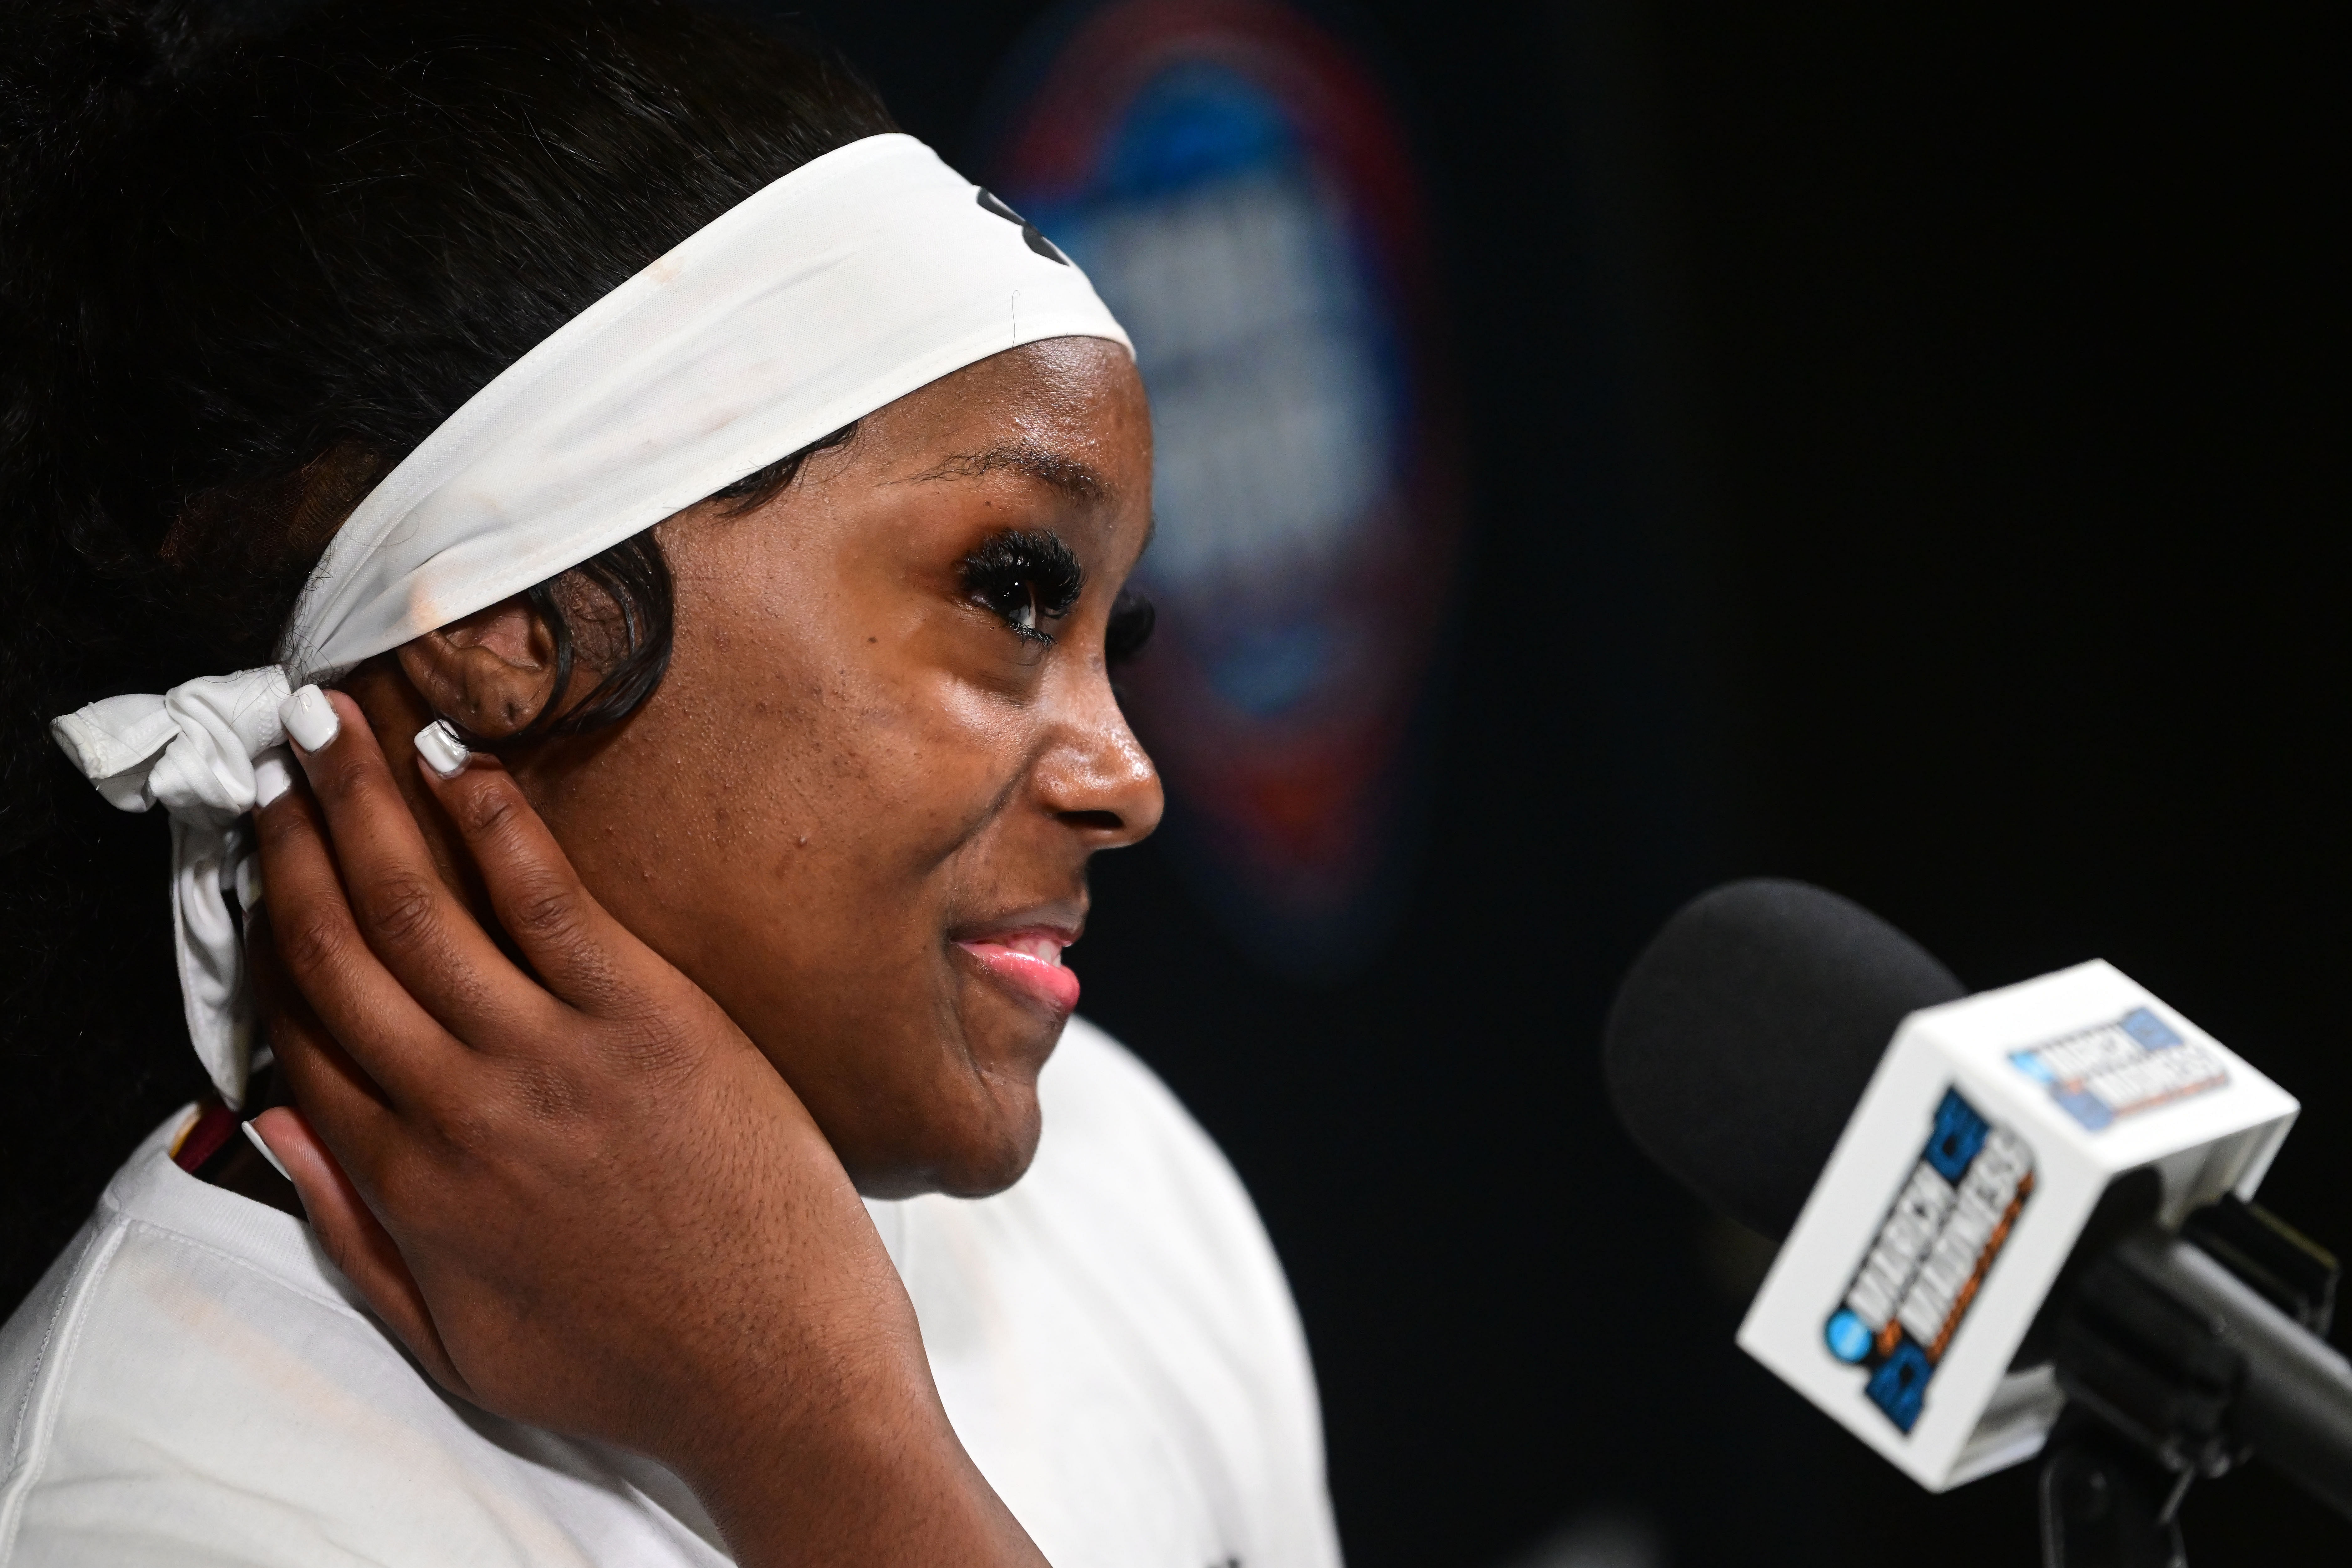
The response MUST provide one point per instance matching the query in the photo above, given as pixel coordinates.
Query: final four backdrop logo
(1235, 183)
(1931, 1256)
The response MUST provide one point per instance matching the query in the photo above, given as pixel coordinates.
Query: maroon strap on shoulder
(215, 1125)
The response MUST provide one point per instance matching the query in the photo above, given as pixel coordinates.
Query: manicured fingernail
(438, 745)
(311, 718)
(253, 1134)
(273, 775)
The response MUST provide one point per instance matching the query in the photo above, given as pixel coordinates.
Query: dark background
(1908, 451)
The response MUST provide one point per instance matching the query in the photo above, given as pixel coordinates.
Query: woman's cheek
(951, 773)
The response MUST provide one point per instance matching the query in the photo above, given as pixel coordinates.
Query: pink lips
(1030, 962)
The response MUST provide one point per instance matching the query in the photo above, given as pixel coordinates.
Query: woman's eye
(1026, 578)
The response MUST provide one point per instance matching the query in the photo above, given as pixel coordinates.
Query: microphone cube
(1986, 1137)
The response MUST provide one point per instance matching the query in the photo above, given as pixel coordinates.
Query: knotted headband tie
(842, 287)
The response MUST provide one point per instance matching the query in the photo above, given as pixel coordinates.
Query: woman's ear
(493, 672)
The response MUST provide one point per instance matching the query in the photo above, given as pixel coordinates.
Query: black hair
(251, 253)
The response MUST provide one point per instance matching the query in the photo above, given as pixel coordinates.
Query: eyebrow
(1067, 474)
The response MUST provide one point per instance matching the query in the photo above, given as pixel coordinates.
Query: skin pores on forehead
(860, 805)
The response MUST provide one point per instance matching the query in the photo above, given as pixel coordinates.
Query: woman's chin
(997, 1135)
(977, 1157)
(975, 1129)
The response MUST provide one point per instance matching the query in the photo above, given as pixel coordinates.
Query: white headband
(848, 283)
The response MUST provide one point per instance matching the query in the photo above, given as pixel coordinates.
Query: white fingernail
(438, 745)
(253, 1136)
(273, 776)
(311, 718)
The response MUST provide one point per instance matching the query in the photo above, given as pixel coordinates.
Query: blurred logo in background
(1231, 177)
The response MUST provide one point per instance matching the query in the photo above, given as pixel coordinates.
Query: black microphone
(1811, 1071)
(1742, 1037)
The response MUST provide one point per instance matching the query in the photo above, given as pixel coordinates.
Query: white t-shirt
(193, 1385)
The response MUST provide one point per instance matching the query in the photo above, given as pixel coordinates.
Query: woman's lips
(1030, 962)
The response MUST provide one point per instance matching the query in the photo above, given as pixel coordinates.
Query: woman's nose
(1098, 780)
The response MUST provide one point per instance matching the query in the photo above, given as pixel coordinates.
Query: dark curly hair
(251, 253)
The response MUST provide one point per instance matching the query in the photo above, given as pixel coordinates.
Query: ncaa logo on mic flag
(2018, 1162)
(2136, 1063)
(1930, 1258)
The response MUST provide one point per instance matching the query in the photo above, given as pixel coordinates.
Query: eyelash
(1024, 577)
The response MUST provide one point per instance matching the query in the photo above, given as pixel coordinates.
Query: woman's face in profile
(858, 810)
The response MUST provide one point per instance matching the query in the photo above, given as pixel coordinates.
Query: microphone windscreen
(1742, 1038)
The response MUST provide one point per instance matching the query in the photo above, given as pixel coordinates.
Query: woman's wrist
(864, 1468)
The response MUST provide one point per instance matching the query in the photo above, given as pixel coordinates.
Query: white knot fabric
(193, 752)
(854, 279)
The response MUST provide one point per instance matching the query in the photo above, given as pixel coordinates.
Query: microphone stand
(2105, 1504)
(2181, 1356)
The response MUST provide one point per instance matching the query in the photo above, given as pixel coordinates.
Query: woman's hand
(577, 1191)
